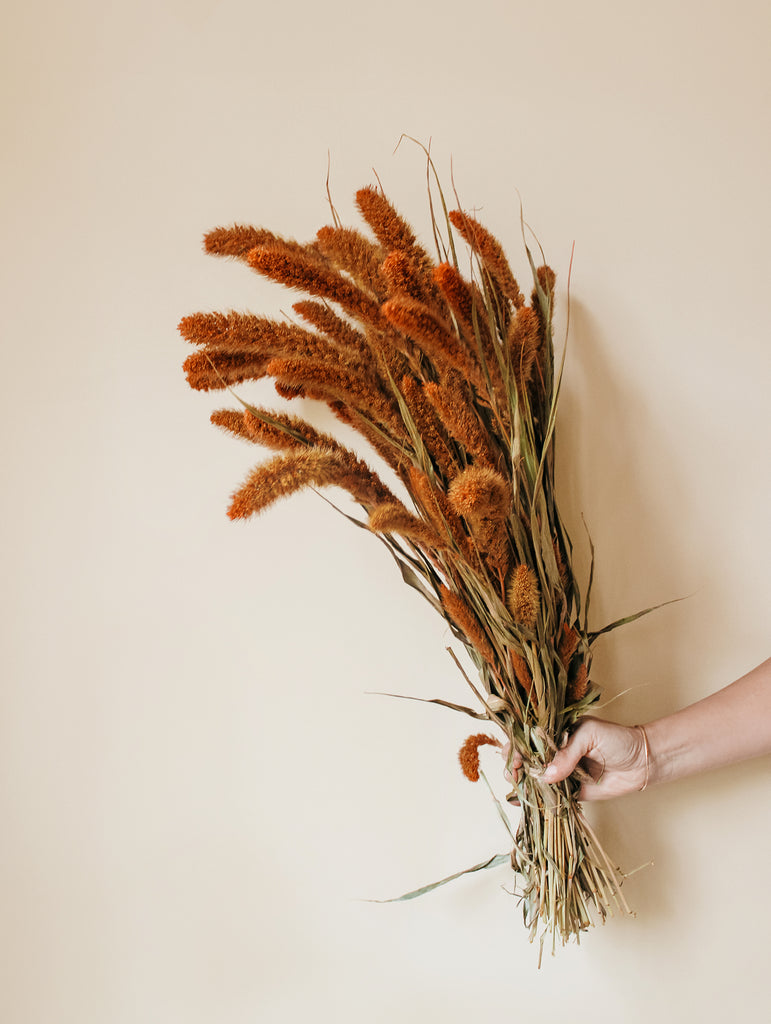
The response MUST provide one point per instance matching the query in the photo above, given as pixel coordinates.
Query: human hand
(614, 756)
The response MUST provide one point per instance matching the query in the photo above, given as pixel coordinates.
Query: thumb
(564, 761)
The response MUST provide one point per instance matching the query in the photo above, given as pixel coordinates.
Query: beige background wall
(197, 791)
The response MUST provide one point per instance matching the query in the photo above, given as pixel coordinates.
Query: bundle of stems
(448, 370)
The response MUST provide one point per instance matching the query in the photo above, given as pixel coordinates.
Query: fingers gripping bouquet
(447, 369)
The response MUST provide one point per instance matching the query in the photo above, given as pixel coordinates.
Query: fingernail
(548, 773)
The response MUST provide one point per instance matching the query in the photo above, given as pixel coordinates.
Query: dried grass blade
(503, 815)
(481, 716)
(633, 618)
(411, 579)
(491, 862)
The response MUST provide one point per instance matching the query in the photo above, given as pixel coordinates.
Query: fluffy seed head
(523, 596)
(524, 339)
(348, 250)
(455, 408)
(311, 467)
(465, 302)
(490, 252)
(391, 230)
(463, 617)
(430, 333)
(298, 270)
(328, 322)
(238, 240)
(214, 371)
(435, 505)
(395, 518)
(468, 755)
(232, 421)
(579, 687)
(288, 391)
(338, 384)
(568, 644)
(522, 674)
(480, 493)
(428, 426)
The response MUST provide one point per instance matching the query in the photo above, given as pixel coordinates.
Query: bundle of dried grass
(452, 380)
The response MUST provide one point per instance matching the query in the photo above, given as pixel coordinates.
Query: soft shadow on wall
(613, 458)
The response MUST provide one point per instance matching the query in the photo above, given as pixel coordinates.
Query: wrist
(665, 754)
(647, 756)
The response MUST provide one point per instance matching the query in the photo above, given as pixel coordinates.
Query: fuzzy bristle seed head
(480, 493)
(579, 687)
(523, 596)
(468, 755)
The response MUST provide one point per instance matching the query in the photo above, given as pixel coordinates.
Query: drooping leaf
(491, 862)
(631, 618)
(433, 700)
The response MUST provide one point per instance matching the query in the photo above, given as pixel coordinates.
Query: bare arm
(731, 725)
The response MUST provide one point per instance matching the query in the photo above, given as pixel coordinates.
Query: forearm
(730, 725)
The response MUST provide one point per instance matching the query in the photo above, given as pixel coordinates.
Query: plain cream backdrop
(197, 792)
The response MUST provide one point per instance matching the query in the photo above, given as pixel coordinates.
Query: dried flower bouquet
(448, 371)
